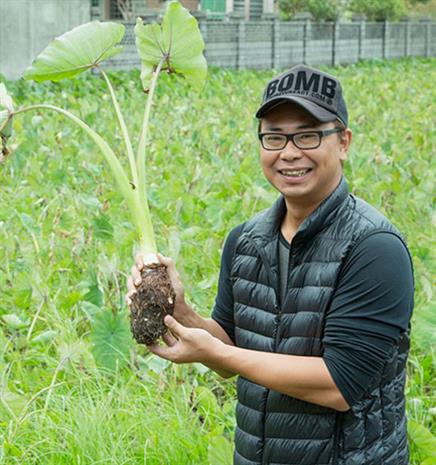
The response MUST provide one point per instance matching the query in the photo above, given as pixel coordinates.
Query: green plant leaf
(102, 227)
(429, 461)
(206, 401)
(111, 340)
(423, 439)
(94, 293)
(178, 39)
(76, 51)
(220, 451)
(424, 326)
(45, 337)
(13, 321)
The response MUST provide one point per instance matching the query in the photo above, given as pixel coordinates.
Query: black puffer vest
(273, 428)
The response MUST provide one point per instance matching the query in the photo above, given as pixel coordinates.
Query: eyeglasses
(306, 140)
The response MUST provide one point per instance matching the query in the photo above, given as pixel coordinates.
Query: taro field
(67, 246)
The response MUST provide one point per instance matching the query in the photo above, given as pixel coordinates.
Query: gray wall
(27, 26)
(274, 44)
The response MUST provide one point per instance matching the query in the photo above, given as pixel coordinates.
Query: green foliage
(424, 441)
(326, 10)
(54, 248)
(80, 49)
(111, 340)
(376, 10)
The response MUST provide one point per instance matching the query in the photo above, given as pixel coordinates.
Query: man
(314, 299)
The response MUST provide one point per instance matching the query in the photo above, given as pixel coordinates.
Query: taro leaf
(76, 51)
(178, 39)
(111, 339)
(423, 440)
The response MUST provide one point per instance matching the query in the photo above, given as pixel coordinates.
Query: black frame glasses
(297, 138)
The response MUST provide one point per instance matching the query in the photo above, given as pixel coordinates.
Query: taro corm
(174, 46)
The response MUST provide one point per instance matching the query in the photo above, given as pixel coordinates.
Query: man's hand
(181, 310)
(187, 345)
(183, 313)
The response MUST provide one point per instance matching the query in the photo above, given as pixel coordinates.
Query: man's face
(322, 166)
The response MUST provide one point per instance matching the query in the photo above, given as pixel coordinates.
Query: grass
(67, 245)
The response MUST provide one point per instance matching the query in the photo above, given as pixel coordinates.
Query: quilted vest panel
(273, 428)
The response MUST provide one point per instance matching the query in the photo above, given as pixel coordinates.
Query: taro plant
(175, 46)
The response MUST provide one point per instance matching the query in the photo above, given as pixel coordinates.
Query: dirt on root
(154, 299)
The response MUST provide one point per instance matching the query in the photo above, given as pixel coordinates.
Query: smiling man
(314, 299)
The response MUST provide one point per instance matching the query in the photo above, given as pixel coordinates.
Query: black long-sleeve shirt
(371, 306)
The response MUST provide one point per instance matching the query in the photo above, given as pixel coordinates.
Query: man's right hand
(182, 312)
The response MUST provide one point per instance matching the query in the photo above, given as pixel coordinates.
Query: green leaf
(220, 451)
(94, 292)
(206, 401)
(178, 39)
(429, 461)
(423, 439)
(424, 326)
(76, 51)
(45, 337)
(13, 321)
(102, 227)
(111, 340)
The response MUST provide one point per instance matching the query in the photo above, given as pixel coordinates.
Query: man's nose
(290, 151)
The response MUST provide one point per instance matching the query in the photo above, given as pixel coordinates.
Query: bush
(377, 10)
(321, 10)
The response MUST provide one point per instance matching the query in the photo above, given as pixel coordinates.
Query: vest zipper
(264, 259)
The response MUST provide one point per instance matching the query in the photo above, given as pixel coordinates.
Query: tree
(321, 10)
(377, 10)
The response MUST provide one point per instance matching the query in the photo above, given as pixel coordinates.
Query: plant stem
(138, 213)
(123, 127)
(140, 156)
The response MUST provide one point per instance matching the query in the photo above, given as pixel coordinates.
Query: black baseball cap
(317, 92)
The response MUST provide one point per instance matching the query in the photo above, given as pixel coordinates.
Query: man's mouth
(295, 173)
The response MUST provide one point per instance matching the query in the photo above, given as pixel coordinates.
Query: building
(208, 9)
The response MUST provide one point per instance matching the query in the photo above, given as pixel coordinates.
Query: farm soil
(154, 299)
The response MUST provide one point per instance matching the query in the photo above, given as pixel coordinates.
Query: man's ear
(345, 142)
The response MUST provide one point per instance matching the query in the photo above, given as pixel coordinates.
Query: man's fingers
(167, 261)
(139, 261)
(176, 328)
(169, 339)
(136, 275)
(130, 286)
(171, 267)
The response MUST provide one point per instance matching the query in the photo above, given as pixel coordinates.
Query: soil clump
(154, 298)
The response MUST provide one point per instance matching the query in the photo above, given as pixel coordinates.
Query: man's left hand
(187, 345)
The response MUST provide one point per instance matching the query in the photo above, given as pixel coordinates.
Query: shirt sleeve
(222, 312)
(371, 307)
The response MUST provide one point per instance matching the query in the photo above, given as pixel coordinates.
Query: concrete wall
(27, 26)
(274, 44)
